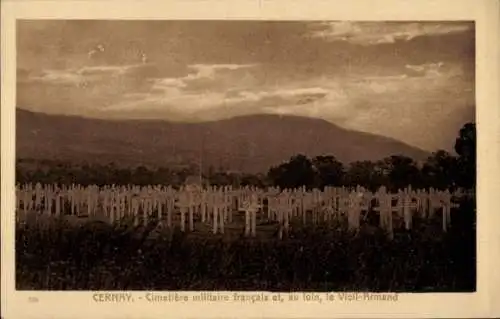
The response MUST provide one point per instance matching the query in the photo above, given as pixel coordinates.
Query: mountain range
(248, 143)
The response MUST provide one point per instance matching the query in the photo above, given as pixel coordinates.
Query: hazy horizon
(411, 81)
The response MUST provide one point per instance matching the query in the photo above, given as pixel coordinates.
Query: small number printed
(33, 299)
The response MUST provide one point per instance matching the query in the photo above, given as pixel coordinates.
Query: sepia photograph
(245, 155)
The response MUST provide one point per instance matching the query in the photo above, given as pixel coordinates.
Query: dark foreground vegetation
(95, 256)
(321, 258)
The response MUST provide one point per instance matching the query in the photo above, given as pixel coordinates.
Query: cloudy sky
(413, 81)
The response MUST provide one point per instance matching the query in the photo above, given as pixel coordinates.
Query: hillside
(249, 143)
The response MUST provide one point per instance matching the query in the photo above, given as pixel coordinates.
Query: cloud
(106, 69)
(167, 83)
(221, 93)
(295, 94)
(170, 98)
(58, 77)
(412, 78)
(341, 99)
(204, 76)
(80, 76)
(427, 69)
(209, 71)
(328, 101)
(371, 33)
(168, 94)
(434, 96)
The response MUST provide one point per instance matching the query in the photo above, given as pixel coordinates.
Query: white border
(81, 305)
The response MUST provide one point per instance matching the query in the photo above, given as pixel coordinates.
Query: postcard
(249, 159)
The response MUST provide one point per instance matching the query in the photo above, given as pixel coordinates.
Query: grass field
(58, 255)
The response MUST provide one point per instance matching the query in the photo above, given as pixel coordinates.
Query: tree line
(441, 170)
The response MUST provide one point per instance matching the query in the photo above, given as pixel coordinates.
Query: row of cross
(216, 205)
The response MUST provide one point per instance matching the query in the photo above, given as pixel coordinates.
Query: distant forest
(441, 170)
